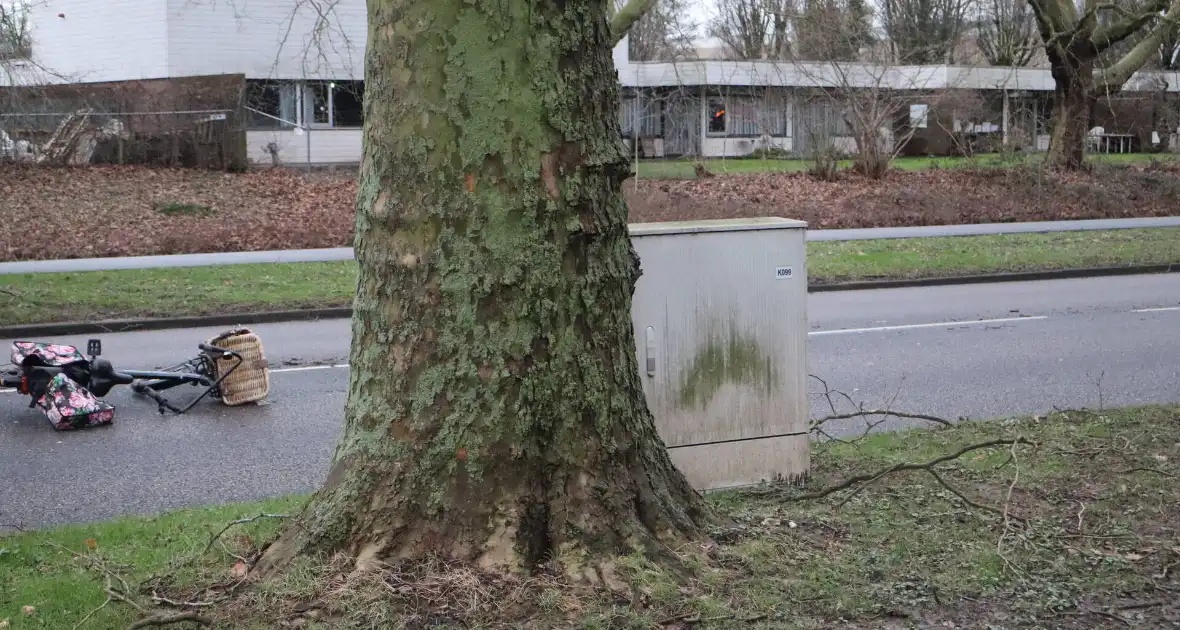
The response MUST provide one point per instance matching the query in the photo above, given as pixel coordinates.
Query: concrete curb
(26, 331)
(333, 254)
(1025, 276)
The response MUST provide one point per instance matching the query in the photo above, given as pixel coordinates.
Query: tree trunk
(495, 412)
(1073, 102)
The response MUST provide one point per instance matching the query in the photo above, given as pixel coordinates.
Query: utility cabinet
(720, 317)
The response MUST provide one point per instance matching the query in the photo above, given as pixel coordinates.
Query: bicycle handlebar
(215, 350)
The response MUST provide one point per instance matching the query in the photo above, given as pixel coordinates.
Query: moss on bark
(495, 412)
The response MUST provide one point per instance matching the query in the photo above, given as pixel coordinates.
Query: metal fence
(207, 138)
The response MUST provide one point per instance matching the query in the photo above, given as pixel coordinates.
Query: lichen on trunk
(495, 413)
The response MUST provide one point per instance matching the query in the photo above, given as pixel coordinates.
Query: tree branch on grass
(240, 521)
(870, 416)
(868, 479)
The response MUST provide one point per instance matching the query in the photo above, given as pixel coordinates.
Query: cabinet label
(784, 273)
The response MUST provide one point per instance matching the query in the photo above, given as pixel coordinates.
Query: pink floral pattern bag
(70, 406)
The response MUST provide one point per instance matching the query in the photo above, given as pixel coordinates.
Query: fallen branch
(909, 466)
(884, 412)
(164, 620)
(1151, 470)
(829, 395)
(95, 611)
(240, 521)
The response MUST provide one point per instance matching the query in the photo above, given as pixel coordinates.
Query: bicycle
(68, 386)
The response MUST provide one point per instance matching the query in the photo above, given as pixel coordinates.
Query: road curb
(248, 319)
(1023, 276)
(166, 323)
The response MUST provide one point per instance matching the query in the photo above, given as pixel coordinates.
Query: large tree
(495, 413)
(1075, 37)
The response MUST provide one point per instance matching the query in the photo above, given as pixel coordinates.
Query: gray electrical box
(720, 317)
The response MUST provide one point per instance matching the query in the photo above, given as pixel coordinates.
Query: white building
(304, 75)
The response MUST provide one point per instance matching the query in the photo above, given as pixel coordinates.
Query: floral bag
(68, 406)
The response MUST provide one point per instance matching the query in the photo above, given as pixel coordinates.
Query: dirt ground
(123, 211)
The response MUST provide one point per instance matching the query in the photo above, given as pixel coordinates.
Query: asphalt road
(345, 253)
(977, 351)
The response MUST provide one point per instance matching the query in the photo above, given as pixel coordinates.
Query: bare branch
(906, 466)
(168, 619)
(626, 16)
(1007, 36)
(240, 521)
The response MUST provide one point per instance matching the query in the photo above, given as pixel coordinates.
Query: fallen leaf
(1133, 557)
(3, 623)
(461, 455)
(239, 570)
(30, 610)
(91, 544)
(111, 209)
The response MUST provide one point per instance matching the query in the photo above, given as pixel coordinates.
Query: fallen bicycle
(68, 387)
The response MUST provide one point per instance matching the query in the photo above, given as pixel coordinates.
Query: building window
(918, 115)
(348, 99)
(335, 103)
(748, 116)
(717, 117)
(271, 104)
(646, 112)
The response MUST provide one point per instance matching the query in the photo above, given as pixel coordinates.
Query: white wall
(98, 40)
(266, 39)
(738, 147)
(328, 146)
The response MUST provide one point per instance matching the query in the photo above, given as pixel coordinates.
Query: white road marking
(308, 368)
(844, 331)
(1156, 310)
(850, 331)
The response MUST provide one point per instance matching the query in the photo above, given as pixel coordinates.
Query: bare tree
(924, 31)
(15, 42)
(1075, 38)
(754, 29)
(832, 30)
(1007, 33)
(868, 109)
(663, 33)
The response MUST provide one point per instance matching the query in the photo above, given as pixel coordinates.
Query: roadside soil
(99, 211)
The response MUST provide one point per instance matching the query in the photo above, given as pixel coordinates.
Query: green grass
(683, 169)
(97, 295)
(969, 255)
(1097, 491)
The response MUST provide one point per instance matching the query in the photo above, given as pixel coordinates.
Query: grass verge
(684, 169)
(98, 295)
(1076, 530)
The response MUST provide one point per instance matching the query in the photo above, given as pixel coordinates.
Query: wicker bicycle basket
(250, 382)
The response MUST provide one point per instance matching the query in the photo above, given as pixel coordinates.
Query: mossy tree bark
(1074, 39)
(495, 411)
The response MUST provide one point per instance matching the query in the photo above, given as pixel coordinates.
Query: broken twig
(906, 466)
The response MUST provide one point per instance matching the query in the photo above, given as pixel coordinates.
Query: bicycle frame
(151, 383)
(197, 371)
